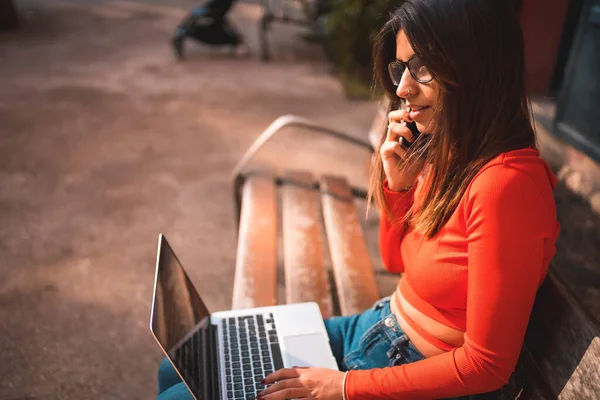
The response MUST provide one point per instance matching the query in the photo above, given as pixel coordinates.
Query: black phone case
(413, 128)
(410, 125)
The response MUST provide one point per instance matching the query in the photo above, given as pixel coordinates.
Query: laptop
(225, 355)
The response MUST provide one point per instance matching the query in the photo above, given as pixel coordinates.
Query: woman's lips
(415, 112)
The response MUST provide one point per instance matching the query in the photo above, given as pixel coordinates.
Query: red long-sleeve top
(480, 274)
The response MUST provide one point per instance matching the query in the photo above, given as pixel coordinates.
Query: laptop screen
(177, 307)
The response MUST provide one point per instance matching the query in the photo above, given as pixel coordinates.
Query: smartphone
(410, 125)
(415, 132)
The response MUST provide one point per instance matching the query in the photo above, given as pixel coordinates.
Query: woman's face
(419, 97)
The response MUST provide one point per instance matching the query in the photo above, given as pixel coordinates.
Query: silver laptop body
(225, 355)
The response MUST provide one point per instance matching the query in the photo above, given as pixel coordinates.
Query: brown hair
(474, 49)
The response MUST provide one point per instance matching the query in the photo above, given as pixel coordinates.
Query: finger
(395, 130)
(388, 149)
(284, 373)
(391, 149)
(399, 115)
(292, 393)
(400, 152)
(392, 135)
(406, 132)
(282, 385)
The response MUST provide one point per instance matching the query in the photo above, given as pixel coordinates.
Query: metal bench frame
(278, 126)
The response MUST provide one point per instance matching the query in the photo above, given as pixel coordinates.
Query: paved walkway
(105, 141)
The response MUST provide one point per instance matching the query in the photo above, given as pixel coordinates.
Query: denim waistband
(402, 348)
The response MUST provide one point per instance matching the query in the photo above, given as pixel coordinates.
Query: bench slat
(256, 260)
(305, 272)
(355, 280)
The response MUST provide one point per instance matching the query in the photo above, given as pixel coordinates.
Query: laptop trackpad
(311, 350)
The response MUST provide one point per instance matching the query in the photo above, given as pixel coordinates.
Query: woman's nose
(407, 85)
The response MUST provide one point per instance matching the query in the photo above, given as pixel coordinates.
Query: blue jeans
(170, 386)
(372, 339)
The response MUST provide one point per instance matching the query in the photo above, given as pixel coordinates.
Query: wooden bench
(313, 219)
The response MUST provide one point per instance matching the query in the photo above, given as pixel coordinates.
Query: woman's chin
(420, 127)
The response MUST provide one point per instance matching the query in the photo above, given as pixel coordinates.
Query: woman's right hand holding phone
(393, 153)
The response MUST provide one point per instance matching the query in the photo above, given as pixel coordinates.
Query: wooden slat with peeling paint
(352, 267)
(305, 270)
(256, 260)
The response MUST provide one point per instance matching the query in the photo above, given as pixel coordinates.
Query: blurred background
(107, 139)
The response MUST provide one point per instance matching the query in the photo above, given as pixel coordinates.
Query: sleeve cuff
(348, 388)
(354, 381)
(397, 199)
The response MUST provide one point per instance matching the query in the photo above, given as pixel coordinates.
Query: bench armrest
(277, 126)
(290, 121)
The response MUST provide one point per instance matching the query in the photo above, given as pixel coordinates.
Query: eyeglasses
(416, 68)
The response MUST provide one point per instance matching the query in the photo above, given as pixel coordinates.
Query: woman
(468, 214)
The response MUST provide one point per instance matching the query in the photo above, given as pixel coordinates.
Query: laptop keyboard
(251, 350)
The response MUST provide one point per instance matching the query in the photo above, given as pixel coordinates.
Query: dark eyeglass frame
(405, 66)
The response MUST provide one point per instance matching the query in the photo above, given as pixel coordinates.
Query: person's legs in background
(208, 24)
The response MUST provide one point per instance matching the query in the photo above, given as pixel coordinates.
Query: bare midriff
(446, 334)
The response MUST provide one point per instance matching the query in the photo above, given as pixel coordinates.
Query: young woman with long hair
(468, 215)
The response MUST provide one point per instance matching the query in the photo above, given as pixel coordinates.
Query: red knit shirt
(480, 274)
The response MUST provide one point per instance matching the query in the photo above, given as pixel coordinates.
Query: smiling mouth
(418, 108)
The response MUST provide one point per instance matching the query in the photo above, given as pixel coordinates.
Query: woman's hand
(303, 383)
(393, 154)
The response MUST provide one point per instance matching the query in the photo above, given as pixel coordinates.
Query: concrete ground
(106, 140)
